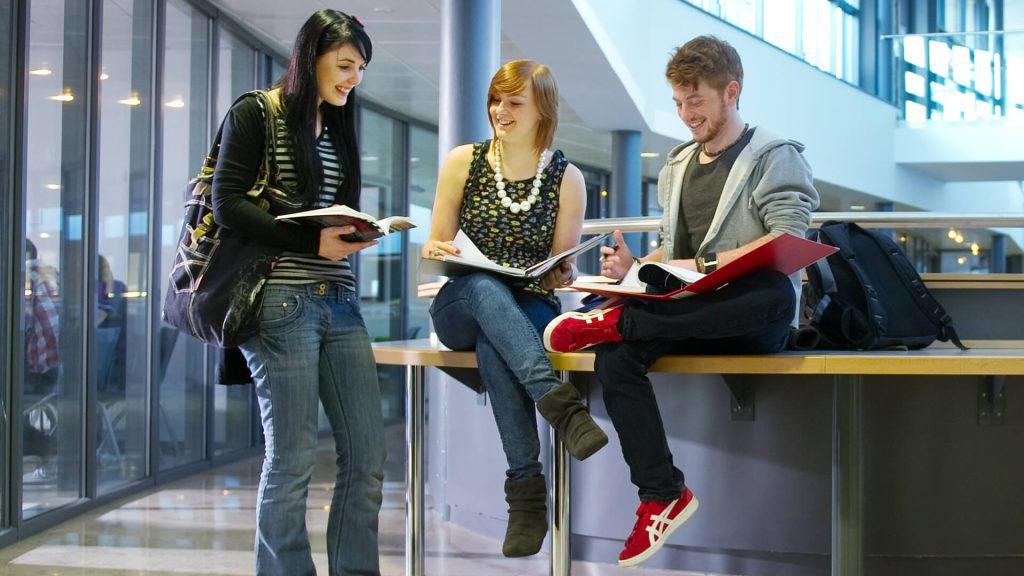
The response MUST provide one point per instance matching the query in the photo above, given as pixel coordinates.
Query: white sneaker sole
(551, 328)
(676, 523)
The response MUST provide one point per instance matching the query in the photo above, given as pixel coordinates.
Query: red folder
(787, 253)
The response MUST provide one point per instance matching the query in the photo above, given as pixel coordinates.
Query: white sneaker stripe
(659, 523)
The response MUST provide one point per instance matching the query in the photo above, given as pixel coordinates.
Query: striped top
(292, 267)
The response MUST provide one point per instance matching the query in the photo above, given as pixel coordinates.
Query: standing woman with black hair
(312, 343)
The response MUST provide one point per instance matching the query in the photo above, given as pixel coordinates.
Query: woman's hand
(562, 275)
(332, 247)
(616, 262)
(437, 249)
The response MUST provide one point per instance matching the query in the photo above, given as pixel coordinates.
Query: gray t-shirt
(702, 189)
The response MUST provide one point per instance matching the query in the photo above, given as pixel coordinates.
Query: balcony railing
(959, 75)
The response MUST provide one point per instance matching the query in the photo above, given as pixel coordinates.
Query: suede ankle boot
(564, 409)
(527, 516)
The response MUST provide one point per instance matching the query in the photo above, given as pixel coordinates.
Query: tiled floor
(204, 525)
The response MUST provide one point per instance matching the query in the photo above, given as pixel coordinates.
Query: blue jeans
(749, 316)
(503, 325)
(312, 345)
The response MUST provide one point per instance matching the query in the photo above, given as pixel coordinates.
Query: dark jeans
(749, 316)
(479, 312)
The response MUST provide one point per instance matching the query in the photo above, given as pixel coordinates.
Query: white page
(468, 250)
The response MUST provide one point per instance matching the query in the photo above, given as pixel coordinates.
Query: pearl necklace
(499, 183)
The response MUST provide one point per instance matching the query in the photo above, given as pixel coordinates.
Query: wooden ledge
(939, 361)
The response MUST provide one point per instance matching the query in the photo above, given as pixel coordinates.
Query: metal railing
(865, 219)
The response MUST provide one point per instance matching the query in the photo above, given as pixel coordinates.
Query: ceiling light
(104, 76)
(959, 238)
(951, 234)
(41, 71)
(961, 260)
(604, 193)
(856, 207)
(176, 103)
(130, 101)
(67, 96)
(53, 186)
(649, 154)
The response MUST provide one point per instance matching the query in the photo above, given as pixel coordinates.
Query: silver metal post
(847, 476)
(561, 532)
(415, 532)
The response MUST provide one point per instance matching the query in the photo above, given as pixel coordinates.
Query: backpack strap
(912, 281)
(851, 318)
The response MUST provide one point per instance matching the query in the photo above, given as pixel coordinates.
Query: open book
(471, 259)
(787, 253)
(367, 227)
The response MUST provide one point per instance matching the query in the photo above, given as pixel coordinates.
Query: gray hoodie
(769, 191)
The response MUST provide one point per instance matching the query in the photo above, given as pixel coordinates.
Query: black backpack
(868, 296)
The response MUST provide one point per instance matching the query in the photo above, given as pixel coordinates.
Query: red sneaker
(656, 521)
(574, 331)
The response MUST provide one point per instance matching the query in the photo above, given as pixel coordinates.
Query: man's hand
(616, 262)
(332, 247)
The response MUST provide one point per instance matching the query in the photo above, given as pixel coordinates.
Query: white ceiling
(406, 62)
(406, 67)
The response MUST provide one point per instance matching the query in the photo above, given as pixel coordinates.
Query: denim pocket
(282, 310)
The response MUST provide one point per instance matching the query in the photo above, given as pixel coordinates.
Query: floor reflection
(203, 525)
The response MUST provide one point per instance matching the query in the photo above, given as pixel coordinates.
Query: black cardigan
(238, 163)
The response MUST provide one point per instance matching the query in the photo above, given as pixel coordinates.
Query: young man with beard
(729, 190)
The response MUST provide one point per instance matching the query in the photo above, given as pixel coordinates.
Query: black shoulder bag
(216, 281)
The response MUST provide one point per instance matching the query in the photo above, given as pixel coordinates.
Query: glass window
(598, 205)
(54, 261)
(122, 288)
(423, 167)
(236, 66)
(780, 24)
(232, 407)
(6, 162)
(742, 13)
(817, 48)
(380, 267)
(182, 361)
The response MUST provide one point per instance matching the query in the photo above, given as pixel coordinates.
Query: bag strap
(210, 163)
(269, 169)
(912, 282)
